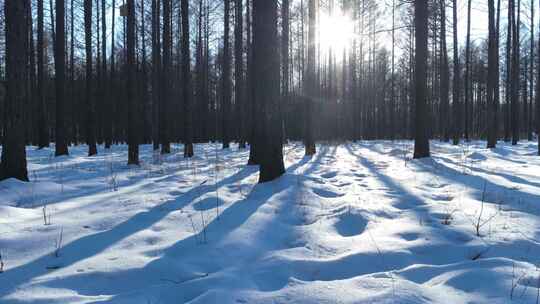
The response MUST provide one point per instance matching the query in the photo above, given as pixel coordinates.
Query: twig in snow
(479, 222)
(58, 243)
(1, 263)
(46, 217)
(195, 233)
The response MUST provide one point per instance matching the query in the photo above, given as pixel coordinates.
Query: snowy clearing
(358, 223)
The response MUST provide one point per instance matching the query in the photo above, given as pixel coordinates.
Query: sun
(336, 32)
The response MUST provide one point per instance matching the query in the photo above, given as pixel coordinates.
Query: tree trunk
(538, 98)
(133, 136)
(456, 104)
(421, 141)
(467, 72)
(239, 72)
(13, 160)
(266, 82)
(445, 79)
(226, 79)
(90, 123)
(285, 32)
(43, 126)
(311, 83)
(492, 74)
(61, 147)
(186, 78)
(515, 81)
(166, 80)
(156, 72)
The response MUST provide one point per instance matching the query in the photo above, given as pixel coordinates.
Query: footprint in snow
(327, 193)
(329, 175)
(409, 236)
(350, 224)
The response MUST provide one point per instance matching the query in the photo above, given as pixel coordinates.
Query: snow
(357, 223)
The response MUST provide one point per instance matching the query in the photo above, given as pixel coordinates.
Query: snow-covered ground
(357, 223)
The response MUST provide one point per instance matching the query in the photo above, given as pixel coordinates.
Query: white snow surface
(358, 223)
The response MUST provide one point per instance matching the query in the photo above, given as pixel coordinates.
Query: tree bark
(133, 136)
(492, 74)
(61, 147)
(43, 126)
(445, 79)
(456, 104)
(13, 160)
(166, 80)
(421, 141)
(239, 72)
(186, 78)
(226, 79)
(266, 82)
(311, 82)
(90, 107)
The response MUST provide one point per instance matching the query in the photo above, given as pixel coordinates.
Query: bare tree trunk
(43, 126)
(285, 61)
(186, 78)
(467, 72)
(90, 123)
(538, 99)
(61, 147)
(421, 141)
(239, 72)
(133, 136)
(266, 61)
(456, 104)
(445, 79)
(166, 80)
(311, 82)
(531, 79)
(226, 79)
(515, 81)
(156, 72)
(492, 74)
(13, 160)
(509, 67)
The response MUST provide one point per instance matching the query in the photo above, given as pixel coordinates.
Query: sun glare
(336, 32)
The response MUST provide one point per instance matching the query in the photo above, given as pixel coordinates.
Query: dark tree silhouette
(13, 161)
(266, 87)
(90, 119)
(186, 78)
(61, 147)
(421, 142)
(133, 137)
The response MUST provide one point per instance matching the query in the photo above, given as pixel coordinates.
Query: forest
(269, 151)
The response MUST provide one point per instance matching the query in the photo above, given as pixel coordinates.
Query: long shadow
(184, 254)
(508, 177)
(388, 181)
(477, 183)
(91, 245)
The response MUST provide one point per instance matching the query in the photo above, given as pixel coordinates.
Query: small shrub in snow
(480, 221)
